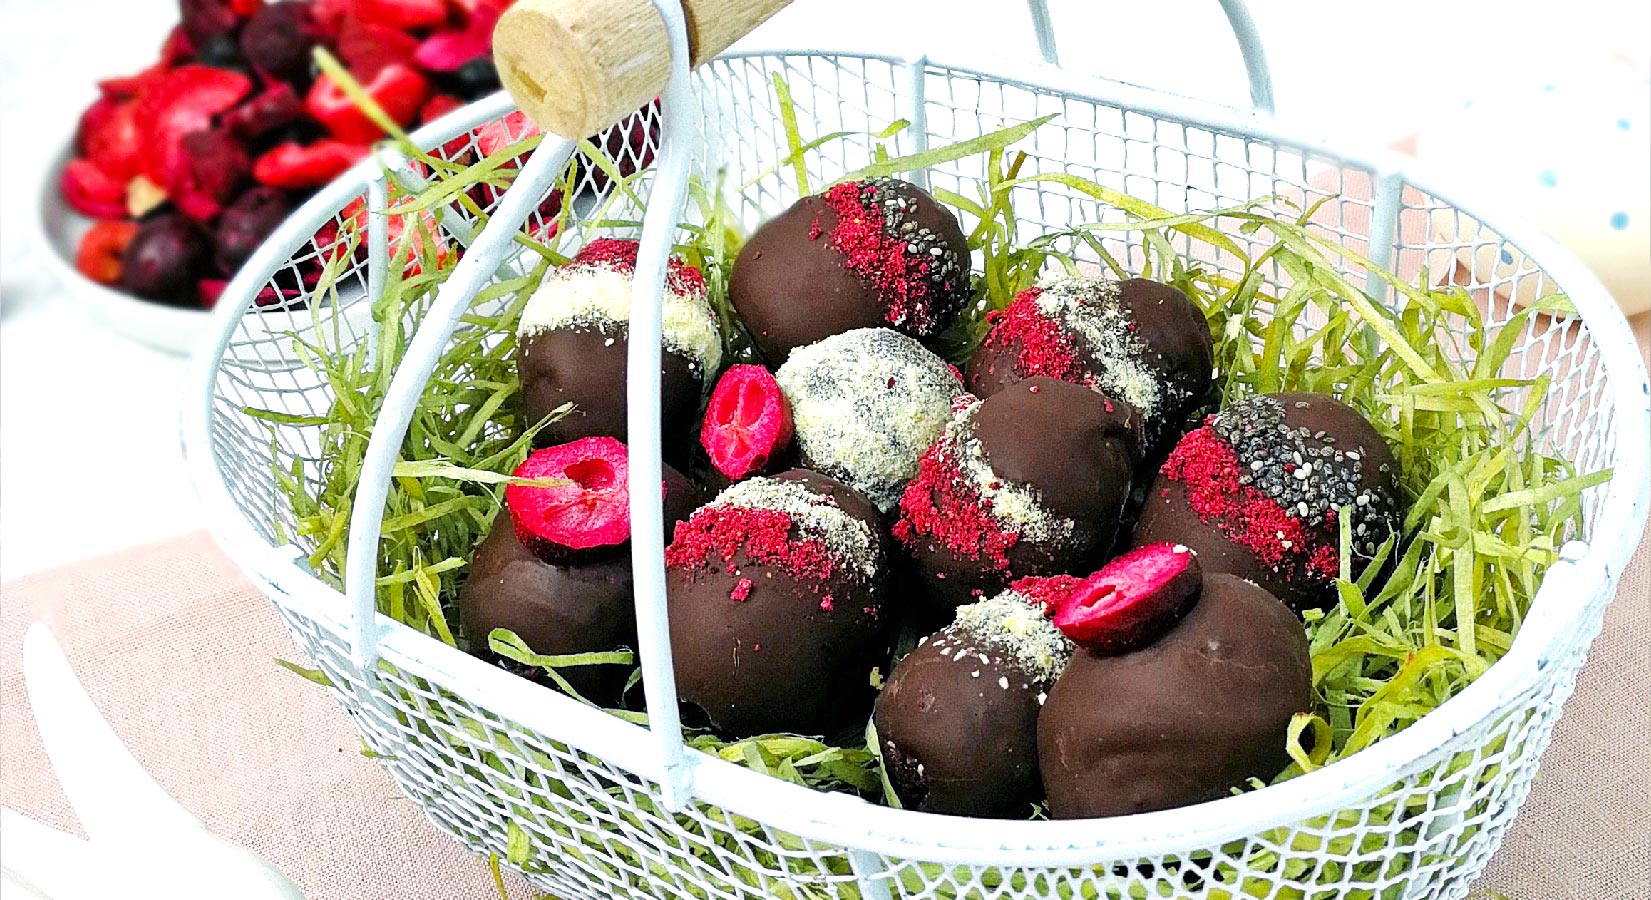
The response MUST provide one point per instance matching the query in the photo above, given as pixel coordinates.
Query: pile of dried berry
(188, 165)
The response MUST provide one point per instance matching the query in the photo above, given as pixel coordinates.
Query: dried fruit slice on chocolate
(587, 507)
(747, 423)
(1131, 601)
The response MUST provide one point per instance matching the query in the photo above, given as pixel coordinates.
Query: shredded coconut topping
(1014, 625)
(1089, 308)
(865, 405)
(1017, 506)
(813, 515)
(599, 297)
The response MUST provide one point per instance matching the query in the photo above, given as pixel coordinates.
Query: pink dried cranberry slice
(91, 192)
(589, 507)
(1132, 601)
(747, 423)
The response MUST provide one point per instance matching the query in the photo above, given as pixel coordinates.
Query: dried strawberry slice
(448, 51)
(590, 508)
(109, 136)
(402, 15)
(365, 49)
(400, 90)
(1132, 601)
(293, 165)
(424, 240)
(101, 247)
(186, 99)
(748, 422)
(91, 192)
(501, 133)
(210, 172)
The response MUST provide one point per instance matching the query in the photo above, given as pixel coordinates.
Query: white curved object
(141, 842)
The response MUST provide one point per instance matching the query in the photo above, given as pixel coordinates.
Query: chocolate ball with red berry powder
(1199, 708)
(864, 254)
(572, 343)
(1031, 481)
(555, 567)
(1138, 340)
(956, 722)
(1259, 490)
(776, 599)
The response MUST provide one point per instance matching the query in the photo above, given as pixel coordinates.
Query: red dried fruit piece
(440, 105)
(426, 232)
(276, 107)
(211, 289)
(186, 99)
(447, 51)
(91, 192)
(110, 138)
(211, 170)
(365, 49)
(400, 90)
(246, 8)
(1132, 601)
(99, 255)
(590, 509)
(277, 41)
(292, 165)
(403, 15)
(501, 133)
(204, 19)
(748, 422)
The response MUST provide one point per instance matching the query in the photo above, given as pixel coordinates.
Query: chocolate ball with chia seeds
(572, 344)
(559, 608)
(1031, 481)
(957, 720)
(1258, 492)
(776, 596)
(1138, 340)
(865, 404)
(864, 254)
(1183, 720)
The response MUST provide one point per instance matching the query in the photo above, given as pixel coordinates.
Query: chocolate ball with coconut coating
(1031, 481)
(957, 721)
(1183, 720)
(865, 404)
(1258, 492)
(776, 592)
(572, 344)
(560, 608)
(1138, 340)
(864, 254)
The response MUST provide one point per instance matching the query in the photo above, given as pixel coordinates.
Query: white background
(89, 458)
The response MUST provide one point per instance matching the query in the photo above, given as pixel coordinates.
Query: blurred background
(89, 458)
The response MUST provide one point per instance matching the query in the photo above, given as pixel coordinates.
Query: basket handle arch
(559, 115)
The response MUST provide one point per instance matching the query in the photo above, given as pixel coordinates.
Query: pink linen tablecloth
(176, 648)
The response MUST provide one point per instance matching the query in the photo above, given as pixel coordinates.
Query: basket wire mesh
(608, 812)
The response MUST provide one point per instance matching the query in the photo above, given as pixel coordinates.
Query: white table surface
(89, 458)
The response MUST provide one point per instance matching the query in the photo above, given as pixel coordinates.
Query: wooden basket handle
(577, 66)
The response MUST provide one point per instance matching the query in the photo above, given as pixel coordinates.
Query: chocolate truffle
(1138, 340)
(572, 345)
(863, 254)
(865, 404)
(1182, 720)
(1029, 482)
(957, 721)
(555, 609)
(776, 604)
(557, 606)
(1258, 489)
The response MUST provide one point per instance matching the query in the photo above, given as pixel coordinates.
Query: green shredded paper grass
(1487, 509)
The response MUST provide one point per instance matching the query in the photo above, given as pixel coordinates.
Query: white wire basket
(613, 809)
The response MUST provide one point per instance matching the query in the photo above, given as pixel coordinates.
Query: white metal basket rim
(848, 821)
